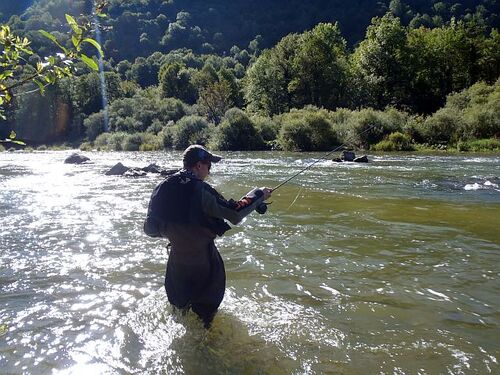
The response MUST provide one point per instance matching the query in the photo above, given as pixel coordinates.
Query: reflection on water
(386, 267)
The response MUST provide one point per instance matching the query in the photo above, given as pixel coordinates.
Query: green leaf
(95, 44)
(74, 25)
(76, 42)
(90, 62)
(12, 134)
(18, 142)
(40, 86)
(53, 38)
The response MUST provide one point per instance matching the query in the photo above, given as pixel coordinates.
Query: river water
(389, 267)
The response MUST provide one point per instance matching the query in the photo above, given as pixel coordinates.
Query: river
(390, 267)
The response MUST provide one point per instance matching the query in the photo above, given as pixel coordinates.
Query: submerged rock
(135, 172)
(76, 158)
(121, 170)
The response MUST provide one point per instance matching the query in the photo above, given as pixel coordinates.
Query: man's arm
(217, 206)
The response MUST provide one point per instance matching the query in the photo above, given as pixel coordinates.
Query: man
(190, 213)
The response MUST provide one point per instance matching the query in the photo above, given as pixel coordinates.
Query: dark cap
(195, 153)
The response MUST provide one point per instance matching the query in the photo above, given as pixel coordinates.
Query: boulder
(348, 156)
(76, 158)
(337, 160)
(152, 168)
(117, 170)
(361, 159)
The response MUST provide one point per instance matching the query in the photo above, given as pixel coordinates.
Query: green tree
(380, 61)
(319, 68)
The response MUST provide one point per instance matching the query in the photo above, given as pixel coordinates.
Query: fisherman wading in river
(190, 213)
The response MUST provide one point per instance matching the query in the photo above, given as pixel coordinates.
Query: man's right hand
(267, 192)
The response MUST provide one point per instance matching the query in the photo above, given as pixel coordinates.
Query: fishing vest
(178, 200)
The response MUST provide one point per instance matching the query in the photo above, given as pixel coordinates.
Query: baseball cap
(196, 153)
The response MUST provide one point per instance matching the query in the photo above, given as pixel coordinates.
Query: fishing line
(297, 197)
(318, 160)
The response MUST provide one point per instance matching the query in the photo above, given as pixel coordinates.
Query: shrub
(189, 130)
(394, 142)
(115, 141)
(307, 130)
(236, 133)
(86, 146)
(368, 127)
(266, 127)
(94, 125)
(442, 127)
(491, 144)
(132, 142)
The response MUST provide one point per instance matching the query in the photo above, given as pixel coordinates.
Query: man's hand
(267, 192)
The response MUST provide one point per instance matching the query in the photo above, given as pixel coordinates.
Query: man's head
(199, 160)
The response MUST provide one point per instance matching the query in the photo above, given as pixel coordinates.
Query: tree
(380, 60)
(18, 71)
(319, 68)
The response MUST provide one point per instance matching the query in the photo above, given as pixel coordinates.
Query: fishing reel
(262, 208)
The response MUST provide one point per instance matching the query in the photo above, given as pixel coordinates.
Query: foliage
(479, 145)
(394, 142)
(94, 125)
(306, 130)
(189, 130)
(236, 133)
(17, 70)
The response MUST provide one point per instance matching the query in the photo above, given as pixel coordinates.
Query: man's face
(203, 169)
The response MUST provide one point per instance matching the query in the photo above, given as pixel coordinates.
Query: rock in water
(361, 159)
(76, 158)
(117, 170)
(348, 156)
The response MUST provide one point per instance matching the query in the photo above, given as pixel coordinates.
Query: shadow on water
(157, 339)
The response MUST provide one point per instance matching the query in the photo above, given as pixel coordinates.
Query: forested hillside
(281, 73)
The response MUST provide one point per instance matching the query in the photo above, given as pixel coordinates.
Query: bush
(478, 145)
(132, 142)
(236, 133)
(307, 130)
(442, 127)
(94, 125)
(368, 127)
(86, 146)
(266, 127)
(395, 142)
(189, 130)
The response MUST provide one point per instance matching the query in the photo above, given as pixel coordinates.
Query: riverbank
(485, 146)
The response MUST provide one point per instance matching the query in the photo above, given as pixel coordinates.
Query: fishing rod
(321, 158)
(262, 208)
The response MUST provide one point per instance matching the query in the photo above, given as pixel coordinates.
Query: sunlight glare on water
(385, 267)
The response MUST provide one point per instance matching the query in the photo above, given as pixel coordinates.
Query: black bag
(153, 222)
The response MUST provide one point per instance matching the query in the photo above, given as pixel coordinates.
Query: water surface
(386, 267)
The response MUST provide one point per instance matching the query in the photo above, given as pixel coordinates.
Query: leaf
(95, 44)
(74, 25)
(76, 42)
(49, 36)
(12, 134)
(40, 86)
(53, 38)
(18, 142)
(90, 62)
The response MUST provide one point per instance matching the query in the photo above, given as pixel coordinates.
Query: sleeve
(215, 205)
